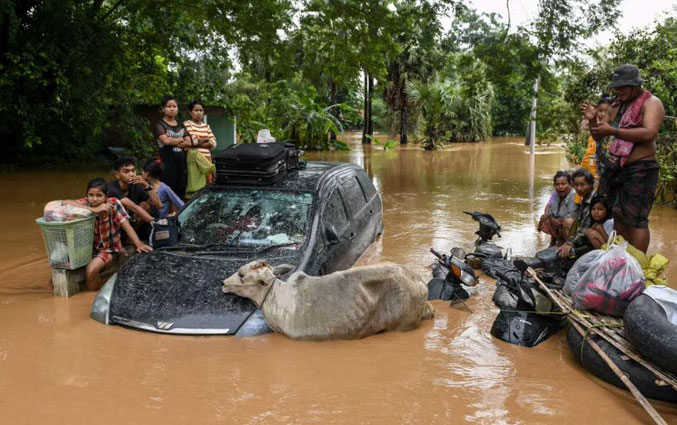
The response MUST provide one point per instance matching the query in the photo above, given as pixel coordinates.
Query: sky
(636, 14)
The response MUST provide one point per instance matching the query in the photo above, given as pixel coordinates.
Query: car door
(374, 208)
(356, 202)
(335, 234)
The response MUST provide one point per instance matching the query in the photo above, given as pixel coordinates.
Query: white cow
(343, 305)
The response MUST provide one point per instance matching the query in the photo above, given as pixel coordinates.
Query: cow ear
(261, 282)
(282, 270)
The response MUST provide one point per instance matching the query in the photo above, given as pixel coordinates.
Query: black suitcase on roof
(294, 157)
(252, 163)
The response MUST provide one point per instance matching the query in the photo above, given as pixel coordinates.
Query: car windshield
(246, 217)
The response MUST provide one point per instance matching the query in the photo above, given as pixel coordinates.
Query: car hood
(178, 292)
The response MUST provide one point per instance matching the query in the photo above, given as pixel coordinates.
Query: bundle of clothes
(58, 211)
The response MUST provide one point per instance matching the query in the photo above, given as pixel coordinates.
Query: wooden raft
(611, 330)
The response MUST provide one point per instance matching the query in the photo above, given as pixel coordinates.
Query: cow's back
(348, 304)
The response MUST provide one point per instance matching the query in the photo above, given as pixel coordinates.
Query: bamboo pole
(599, 327)
(573, 320)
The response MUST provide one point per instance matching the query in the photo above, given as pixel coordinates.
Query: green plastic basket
(68, 243)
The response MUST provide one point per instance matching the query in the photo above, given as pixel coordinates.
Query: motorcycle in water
(452, 271)
(526, 314)
(449, 274)
(484, 248)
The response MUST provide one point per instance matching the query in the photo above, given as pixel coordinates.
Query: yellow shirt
(590, 157)
(590, 163)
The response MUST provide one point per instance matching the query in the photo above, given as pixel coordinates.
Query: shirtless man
(632, 186)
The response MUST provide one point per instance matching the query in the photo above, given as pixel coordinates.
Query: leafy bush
(667, 178)
(575, 149)
(290, 108)
(386, 145)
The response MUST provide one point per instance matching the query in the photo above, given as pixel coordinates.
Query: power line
(525, 10)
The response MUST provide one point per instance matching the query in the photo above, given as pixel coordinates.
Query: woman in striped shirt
(201, 134)
(202, 140)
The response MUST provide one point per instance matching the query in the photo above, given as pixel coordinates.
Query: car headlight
(255, 325)
(101, 307)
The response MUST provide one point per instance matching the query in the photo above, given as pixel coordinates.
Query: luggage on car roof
(256, 163)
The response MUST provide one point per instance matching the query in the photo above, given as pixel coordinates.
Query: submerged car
(319, 219)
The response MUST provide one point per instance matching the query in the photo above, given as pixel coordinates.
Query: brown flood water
(59, 366)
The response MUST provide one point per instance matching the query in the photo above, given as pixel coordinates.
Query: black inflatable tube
(648, 329)
(644, 380)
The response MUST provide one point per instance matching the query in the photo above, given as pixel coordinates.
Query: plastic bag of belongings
(613, 278)
(653, 265)
(57, 211)
(578, 270)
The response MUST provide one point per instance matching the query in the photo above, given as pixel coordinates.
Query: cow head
(253, 280)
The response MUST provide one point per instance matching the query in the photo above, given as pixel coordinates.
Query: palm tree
(411, 65)
(437, 101)
(419, 26)
(452, 111)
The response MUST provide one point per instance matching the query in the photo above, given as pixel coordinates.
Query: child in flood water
(589, 161)
(602, 225)
(111, 218)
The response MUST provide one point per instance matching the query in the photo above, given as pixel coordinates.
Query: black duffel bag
(164, 232)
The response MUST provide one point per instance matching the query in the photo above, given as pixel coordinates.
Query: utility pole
(531, 132)
(367, 111)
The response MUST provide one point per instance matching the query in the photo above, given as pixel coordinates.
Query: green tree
(325, 54)
(64, 65)
(416, 35)
(559, 29)
(369, 27)
(512, 63)
(456, 107)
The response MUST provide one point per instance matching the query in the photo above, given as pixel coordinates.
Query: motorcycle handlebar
(436, 254)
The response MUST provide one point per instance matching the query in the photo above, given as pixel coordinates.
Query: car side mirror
(331, 234)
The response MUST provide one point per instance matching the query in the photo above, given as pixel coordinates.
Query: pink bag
(620, 147)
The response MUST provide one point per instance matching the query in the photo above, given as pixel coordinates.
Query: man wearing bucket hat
(631, 170)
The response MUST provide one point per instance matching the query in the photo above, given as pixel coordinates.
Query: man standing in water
(631, 156)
